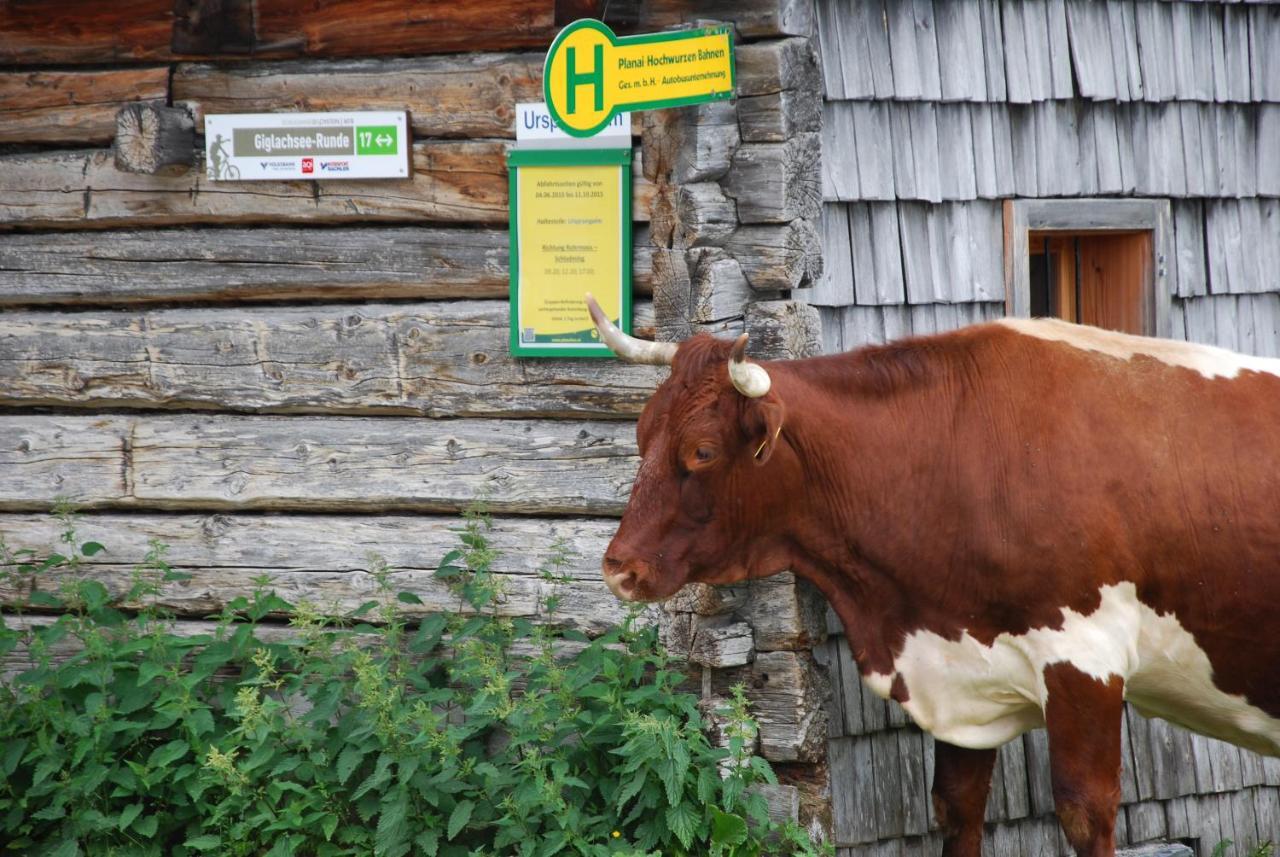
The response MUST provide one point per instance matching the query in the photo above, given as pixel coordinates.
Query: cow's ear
(763, 424)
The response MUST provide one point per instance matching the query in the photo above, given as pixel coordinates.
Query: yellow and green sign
(591, 74)
(570, 234)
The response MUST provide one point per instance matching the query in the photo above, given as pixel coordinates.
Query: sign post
(281, 146)
(570, 234)
(570, 208)
(591, 74)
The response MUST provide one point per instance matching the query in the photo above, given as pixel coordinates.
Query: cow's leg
(961, 780)
(1083, 718)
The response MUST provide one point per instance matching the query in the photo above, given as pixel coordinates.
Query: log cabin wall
(937, 113)
(280, 377)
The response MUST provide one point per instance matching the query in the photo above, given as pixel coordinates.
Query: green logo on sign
(376, 140)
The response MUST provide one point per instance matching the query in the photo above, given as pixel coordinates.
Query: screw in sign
(591, 74)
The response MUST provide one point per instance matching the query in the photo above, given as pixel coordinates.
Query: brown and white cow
(1020, 524)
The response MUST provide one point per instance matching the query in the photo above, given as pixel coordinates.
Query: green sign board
(570, 234)
(591, 74)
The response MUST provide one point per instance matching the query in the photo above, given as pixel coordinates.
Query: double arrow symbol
(385, 140)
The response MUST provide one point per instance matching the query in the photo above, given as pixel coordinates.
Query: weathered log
(688, 145)
(787, 691)
(672, 290)
(784, 329)
(49, 33)
(154, 140)
(718, 290)
(471, 95)
(777, 182)
(264, 264)
(347, 464)
(435, 359)
(779, 117)
(150, 29)
(77, 107)
(775, 257)
(779, 90)
(325, 560)
(767, 68)
(754, 18)
(453, 182)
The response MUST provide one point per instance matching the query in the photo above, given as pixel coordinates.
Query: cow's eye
(704, 454)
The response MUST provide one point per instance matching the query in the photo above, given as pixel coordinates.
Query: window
(1097, 262)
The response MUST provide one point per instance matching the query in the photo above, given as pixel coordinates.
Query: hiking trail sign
(591, 74)
(276, 146)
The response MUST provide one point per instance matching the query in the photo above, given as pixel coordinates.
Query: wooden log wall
(935, 113)
(279, 377)
(260, 358)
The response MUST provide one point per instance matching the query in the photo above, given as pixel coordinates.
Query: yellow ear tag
(765, 442)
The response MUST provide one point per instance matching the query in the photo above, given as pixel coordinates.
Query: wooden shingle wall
(936, 112)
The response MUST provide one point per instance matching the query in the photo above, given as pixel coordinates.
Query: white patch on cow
(979, 696)
(1208, 360)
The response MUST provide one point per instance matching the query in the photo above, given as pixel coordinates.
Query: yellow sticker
(591, 74)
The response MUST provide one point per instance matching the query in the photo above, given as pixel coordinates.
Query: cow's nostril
(627, 582)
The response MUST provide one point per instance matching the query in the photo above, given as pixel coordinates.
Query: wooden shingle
(904, 167)
(853, 805)
(956, 152)
(1155, 43)
(1268, 149)
(913, 50)
(877, 255)
(887, 770)
(1016, 52)
(961, 63)
(1235, 30)
(1264, 52)
(915, 789)
(1191, 277)
(1061, 85)
(1089, 26)
(922, 118)
(993, 49)
(835, 286)
(874, 147)
(1106, 148)
(1124, 50)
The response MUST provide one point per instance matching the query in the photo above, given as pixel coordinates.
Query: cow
(1020, 524)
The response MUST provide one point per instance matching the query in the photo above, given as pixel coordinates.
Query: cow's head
(711, 477)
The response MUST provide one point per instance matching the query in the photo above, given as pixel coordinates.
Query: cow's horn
(627, 347)
(750, 379)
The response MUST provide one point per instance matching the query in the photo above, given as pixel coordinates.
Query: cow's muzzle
(628, 580)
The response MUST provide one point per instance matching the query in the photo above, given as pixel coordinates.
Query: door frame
(1024, 216)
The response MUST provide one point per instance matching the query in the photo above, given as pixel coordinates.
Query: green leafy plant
(460, 734)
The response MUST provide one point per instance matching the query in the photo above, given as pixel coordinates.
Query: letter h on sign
(575, 78)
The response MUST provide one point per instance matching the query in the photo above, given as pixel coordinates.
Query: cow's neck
(856, 533)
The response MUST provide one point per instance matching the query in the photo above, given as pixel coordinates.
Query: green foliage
(1263, 849)
(461, 735)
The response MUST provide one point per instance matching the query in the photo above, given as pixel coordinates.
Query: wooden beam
(147, 30)
(264, 264)
(153, 139)
(453, 181)
(120, 31)
(77, 107)
(225, 463)
(470, 95)
(434, 359)
(325, 560)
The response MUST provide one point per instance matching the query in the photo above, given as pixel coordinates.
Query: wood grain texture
(135, 30)
(264, 264)
(73, 107)
(153, 139)
(434, 359)
(326, 559)
(469, 95)
(222, 462)
(451, 182)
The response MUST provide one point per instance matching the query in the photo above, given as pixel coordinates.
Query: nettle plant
(459, 735)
